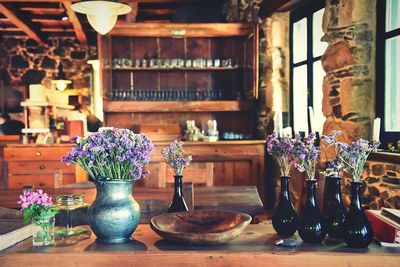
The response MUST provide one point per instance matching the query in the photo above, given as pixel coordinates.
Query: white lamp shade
(102, 23)
(61, 84)
(102, 15)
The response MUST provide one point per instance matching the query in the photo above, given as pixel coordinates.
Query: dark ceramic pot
(357, 231)
(284, 220)
(311, 227)
(114, 215)
(178, 202)
(334, 210)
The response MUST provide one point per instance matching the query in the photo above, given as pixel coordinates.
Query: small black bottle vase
(311, 226)
(284, 220)
(334, 210)
(178, 202)
(357, 231)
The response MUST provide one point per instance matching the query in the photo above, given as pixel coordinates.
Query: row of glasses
(166, 95)
(175, 63)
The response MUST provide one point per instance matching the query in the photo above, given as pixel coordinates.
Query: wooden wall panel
(172, 48)
(242, 170)
(143, 48)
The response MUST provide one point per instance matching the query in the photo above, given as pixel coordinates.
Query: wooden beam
(73, 18)
(18, 21)
(43, 10)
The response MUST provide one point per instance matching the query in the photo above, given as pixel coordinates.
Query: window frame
(381, 37)
(306, 11)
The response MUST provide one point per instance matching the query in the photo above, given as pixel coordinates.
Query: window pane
(300, 40)
(392, 85)
(318, 46)
(300, 99)
(392, 15)
(318, 76)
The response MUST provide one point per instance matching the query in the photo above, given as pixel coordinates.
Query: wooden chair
(198, 173)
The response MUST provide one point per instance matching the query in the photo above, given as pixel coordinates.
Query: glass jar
(72, 214)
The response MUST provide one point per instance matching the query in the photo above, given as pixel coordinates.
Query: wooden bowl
(201, 227)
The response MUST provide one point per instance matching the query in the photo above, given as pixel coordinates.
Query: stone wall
(349, 63)
(24, 62)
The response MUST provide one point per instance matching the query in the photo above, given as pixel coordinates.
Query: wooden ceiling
(40, 19)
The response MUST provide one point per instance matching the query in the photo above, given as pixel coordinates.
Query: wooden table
(237, 198)
(255, 247)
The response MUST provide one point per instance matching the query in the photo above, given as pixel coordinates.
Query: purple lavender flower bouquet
(352, 156)
(306, 155)
(38, 207)
(282, 150)
(112, 153)
(175, 157)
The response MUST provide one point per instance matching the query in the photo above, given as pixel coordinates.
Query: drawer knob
(38, 153)
(42, 167)
(41, 184)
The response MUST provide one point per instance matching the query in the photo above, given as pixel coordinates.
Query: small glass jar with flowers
(312, 228)
(114, 159)
(284, 219)
(37, 207)
(175, 158)
(357, 231)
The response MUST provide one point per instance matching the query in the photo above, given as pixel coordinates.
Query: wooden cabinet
(36, 165)
(216, 79)
(224, 162)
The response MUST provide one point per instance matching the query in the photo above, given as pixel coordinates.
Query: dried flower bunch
(175, 157)
(335, 167)
(36, 204)
(306, 155)
(352, 156)
(112, 153)
(282, 150)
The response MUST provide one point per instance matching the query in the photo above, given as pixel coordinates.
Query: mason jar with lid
(72, 214)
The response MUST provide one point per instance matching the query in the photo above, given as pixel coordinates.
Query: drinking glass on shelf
(144, 63)
(137, 63)
(209, 63)
(159, 63)
(153, 63)
(188, 63)
(127, 62)
(217, 62)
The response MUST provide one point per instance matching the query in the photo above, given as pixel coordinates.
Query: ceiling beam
(268, 7)
(43, 10)
(18, 21)
(73, 18)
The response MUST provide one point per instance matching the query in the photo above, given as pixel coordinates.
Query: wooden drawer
(38, 181)
(39, 167)
(35, 153)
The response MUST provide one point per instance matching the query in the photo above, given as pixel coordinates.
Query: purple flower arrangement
(112, 153)
(282, 150)
(175, 157)
(351, 156)
(306, 155)
(36, 204)
(335, 167)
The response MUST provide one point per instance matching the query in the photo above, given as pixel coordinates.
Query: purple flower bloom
(306, 155)
(174, 156)
(282, 150)
(112, 153)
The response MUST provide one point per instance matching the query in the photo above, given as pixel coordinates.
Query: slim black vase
(178, 202)
(311, 226)
(334, 211)
(357, 231)
(284, 220)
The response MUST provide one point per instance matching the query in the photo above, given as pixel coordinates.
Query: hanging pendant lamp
(102, 15)
(60, 81)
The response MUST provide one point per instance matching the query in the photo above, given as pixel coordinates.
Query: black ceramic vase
(334, 210)
(311, 226)
(357, 231)
(178, 202)
(284, 220)
(114, 214)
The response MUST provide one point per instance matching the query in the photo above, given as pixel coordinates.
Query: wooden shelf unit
(235, 112)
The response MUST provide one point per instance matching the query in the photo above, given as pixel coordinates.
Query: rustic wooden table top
(237, 198)
(255, 247)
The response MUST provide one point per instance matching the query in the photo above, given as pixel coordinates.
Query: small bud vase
(284, 220)
(334, 210)
(178, 202)
(311, 227)
(357, 231)
(44, 231)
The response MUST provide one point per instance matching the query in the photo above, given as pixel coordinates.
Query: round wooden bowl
(202, 227)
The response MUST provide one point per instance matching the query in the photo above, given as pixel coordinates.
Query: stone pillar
(349, 62)
(274, 66)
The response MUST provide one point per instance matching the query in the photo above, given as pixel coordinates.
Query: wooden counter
(255, 247)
